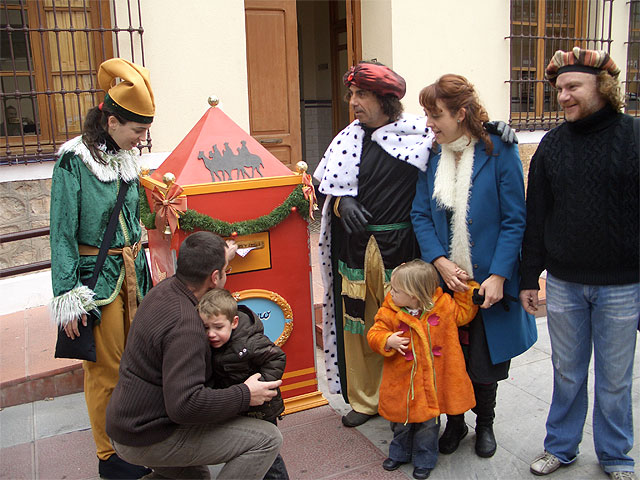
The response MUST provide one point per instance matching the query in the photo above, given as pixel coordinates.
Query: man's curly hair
(609, 88)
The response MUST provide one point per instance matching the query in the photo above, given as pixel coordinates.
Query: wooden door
(346, 51)
(354, 32)
(272, 67)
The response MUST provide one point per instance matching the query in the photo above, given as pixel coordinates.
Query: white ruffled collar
(123, 164)
(408, 139)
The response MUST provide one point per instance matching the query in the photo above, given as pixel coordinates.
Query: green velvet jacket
(83, 195)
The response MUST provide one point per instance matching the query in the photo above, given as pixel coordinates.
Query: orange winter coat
(440, 381)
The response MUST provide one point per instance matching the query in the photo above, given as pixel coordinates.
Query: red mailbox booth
(221, 179)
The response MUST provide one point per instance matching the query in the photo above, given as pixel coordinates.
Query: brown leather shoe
(355, 419)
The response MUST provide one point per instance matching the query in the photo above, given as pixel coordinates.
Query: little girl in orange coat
(424, 373)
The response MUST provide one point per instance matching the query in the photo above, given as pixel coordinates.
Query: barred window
(632, 87)
(49, 53)
(538, 29)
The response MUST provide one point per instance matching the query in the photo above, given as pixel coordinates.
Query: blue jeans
(578, 317)
(416, 443)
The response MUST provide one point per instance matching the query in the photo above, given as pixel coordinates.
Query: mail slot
(254, 253)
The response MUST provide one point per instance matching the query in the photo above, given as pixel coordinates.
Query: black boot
(455, 431)
(278, 470)
(115, 468)
(485, 413)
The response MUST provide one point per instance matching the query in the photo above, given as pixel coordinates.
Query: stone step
(28, 369)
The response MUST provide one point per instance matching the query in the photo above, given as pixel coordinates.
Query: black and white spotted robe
(379, 168)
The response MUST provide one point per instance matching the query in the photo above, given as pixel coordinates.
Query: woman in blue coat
(469, 218)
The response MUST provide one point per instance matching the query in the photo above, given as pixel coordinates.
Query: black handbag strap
(108, 235)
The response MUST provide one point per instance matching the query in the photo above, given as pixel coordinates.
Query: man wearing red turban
(369, 175)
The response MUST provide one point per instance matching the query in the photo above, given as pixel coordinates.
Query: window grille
(632, 85)
(538, 29)
(49, 54)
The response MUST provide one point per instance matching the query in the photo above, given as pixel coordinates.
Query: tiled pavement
(51, 439)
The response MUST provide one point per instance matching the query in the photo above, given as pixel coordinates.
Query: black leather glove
(354, 216)
(507, 134)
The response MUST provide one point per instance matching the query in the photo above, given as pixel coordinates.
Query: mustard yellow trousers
(100, 378)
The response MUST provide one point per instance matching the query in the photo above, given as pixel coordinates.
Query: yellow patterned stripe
(297, 385)
(356, 290)
(231, 185)
(298, 373)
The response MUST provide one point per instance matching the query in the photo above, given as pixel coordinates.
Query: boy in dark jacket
(239, 349)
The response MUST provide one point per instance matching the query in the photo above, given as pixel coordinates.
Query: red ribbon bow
(309, 193)
(168, 207)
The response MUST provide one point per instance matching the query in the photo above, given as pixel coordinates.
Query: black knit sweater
(163, 372)
(582, 203)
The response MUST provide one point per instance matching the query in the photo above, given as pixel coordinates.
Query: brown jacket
(163, 372)
(440, 381)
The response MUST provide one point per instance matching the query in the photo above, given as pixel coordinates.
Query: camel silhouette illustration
(222, 164)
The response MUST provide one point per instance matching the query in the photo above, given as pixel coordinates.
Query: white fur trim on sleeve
(71, 305)
(329, 325)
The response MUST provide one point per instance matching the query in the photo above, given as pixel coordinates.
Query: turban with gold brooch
(375, 78)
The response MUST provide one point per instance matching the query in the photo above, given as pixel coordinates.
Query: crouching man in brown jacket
(161, 414)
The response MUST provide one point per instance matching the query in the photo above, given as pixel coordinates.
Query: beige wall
(197, 48)
(194, 49)
(422, 40)
(619, 32)
(434, 38)
(377, 40)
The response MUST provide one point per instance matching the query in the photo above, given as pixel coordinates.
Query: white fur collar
(451, 190)
(409, 140)
(123, 164)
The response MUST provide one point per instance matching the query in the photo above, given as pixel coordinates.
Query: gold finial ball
(213, 101)
(144, 170)
(301, 167)
(168, 178)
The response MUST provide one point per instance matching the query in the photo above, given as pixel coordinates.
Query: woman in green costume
(88, 174)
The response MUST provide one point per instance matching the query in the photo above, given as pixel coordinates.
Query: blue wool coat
(496, 221)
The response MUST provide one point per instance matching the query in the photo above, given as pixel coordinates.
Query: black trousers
(278, 470)
(476, 354)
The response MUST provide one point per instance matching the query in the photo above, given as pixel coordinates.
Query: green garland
(192, 220)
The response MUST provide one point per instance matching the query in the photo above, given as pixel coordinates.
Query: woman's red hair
(456, 92)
